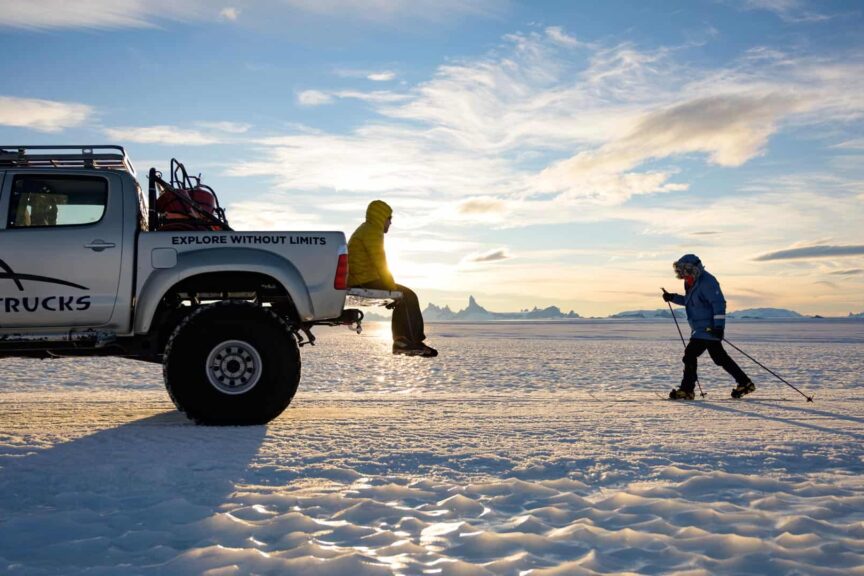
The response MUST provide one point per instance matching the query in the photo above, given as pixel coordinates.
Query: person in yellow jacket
(367, 268)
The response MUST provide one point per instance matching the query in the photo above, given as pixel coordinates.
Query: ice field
(522, 449)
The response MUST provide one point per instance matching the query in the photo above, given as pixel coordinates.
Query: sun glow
(378, 330)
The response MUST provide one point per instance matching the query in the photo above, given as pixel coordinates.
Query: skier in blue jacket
(706, 314)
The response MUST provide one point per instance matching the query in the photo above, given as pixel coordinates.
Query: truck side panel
(304, 263)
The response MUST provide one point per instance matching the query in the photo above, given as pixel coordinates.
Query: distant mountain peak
(764, 313)
(477, 313)
(473, 306)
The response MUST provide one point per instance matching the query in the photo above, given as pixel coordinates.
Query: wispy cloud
(559, 36)
(854, 144)
(205, 134)
(270, 214)
(314, 98)
(494, 255)
(374, 160)
(850, 272)
(730, 129)
(116, 14)
(481, 205)
(823, 251)
(42, 115)
(228, 127)
(229, 13)
(367, 74)
(385, 76)
(322, 97)
(168, 135)
(94, 14)
(788, 10)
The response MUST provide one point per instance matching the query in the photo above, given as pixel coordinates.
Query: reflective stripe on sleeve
(719, 317)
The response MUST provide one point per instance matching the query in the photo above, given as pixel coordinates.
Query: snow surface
(523, 448)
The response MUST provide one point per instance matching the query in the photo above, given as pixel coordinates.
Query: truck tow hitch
(353, 318)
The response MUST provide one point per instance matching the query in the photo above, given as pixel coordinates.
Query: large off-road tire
(232, 363)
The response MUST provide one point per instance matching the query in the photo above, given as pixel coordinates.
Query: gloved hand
(716, 332)
(668, 296)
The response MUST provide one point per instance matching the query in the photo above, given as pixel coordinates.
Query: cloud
(823, 251)
(271, 214)
(527, 97)
(228, 127)
(229, 13)
(377, 97)
(376, 159)
(854, 144)
(730, 129)
(96, 14)
(321, 97)
(850, 272)
(313, 98)
(557, 35)
(42, 115)
(169, 135)
(495, 255)
(381, 76)
(794, 11)
(373, 75)
(482, 206)
(118, 14)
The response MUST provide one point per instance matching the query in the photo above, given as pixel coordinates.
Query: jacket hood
(689, 265)
(377, 213)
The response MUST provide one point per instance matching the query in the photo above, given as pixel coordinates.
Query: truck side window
(39, 201)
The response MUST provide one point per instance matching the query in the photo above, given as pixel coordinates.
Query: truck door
(60, 246)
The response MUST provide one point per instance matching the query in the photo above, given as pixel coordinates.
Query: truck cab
(62, 247)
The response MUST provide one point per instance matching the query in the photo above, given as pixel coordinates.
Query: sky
(535, 153)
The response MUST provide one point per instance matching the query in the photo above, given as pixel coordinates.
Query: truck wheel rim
(233, 367)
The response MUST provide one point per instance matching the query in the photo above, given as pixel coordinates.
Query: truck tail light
(341, 281)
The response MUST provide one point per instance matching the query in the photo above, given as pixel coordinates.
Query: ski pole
(681, 334)
(809, 398)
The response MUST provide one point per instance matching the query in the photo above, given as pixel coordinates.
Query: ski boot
(743, 389)
(679, 394)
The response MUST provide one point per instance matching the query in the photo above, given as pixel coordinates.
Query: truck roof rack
(108, 157)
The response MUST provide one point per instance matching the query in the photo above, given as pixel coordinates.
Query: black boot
(743, 389)
(679, 394)
(405, 348)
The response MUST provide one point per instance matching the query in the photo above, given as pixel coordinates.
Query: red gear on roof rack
(184, 203)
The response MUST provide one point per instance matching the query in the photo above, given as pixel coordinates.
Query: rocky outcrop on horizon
(764, 314)
(477, 313)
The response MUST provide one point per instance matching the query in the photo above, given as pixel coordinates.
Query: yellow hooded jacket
(367, 261)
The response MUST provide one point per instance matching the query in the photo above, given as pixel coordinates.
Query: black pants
(407, 320)
(715, 348)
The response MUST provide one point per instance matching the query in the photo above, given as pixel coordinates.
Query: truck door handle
(99, 245)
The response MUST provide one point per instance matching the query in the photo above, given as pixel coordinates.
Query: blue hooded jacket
(704, 301)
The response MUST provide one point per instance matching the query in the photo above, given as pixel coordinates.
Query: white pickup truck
(88, 267)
